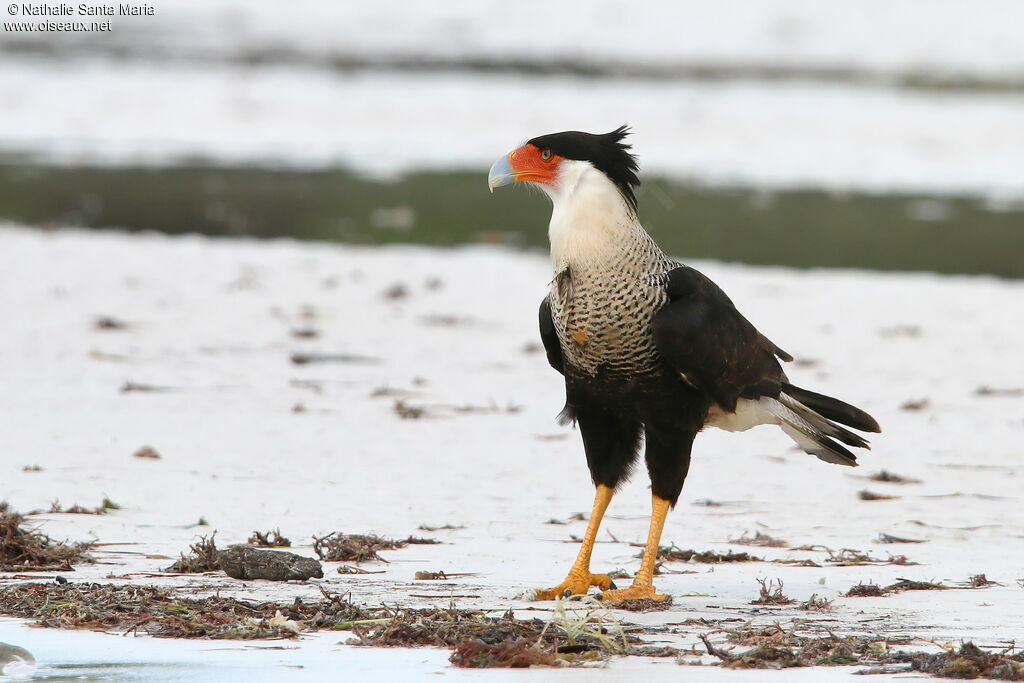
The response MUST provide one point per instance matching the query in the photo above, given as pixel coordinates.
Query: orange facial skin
(535, 165)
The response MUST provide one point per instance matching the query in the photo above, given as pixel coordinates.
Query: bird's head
(556, 161)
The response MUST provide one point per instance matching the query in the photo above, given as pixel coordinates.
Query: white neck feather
(589, 218)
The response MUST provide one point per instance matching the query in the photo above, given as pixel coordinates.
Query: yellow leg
(643, 582)
(580, 579)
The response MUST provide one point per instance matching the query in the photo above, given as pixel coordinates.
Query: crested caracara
(650, 348)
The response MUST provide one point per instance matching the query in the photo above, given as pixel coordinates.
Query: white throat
(590, 219)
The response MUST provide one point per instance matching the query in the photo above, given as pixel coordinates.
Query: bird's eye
(545, 154)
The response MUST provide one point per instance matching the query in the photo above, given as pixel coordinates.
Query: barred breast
(602, 311)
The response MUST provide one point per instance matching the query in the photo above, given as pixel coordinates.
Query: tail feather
(833, 409)
(808, 417)
(821, 424)
(821, 446)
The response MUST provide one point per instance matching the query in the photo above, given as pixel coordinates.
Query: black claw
(599, 596)
(611, 585)
(567, 593)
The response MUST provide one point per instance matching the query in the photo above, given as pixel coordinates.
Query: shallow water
(805, 229)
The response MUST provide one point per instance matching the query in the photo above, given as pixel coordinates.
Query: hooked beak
(501, 174)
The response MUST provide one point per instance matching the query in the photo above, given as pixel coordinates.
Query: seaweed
(269, 539)
(771, 593)
(759, 539)
(671, 553)
(158, 612)
(892, 478)
(864, 494)
(774, 647)
(339, 547)
(969, 661)
(56, 508)
(202, 557)
(848, 557)
(865, 590)
(27, 550)
(909, 585)
(473, 653)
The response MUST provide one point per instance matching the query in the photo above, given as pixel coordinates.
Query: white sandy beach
(209, 322)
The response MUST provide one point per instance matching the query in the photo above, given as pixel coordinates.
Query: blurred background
(875, 134)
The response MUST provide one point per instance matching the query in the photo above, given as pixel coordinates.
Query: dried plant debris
(473, 653)
(759, 539)
(350, 569)
(887, 538)
(304, 332)
(407, 411)
(241, 561)
(796, 563)
(146, 452)
(644, 605)
(339, 547)
(915, 404)
(864, 494)
(969, 661)
(269, 539)
(109, 323)
(671, 553)
(910, 585)
(580, 630)
(201, 557)
(129, 386)
(245, 562)
(816, 603)
(302, 358)
(56, 508)
(431, 576)
(865, 590)
(158, 612)
(771, 593)
(443, 527)
(777, 648)
(397, 290)
(440, 627)
(892, 478)
(27, 550)
(999, 391)
(981, 581)
(847, 557)
(871, 590)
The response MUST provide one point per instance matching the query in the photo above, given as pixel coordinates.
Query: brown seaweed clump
(242, 561)
(269, 539)
(339, 547)
(671, 553)
(473, 653)
(158, 612)
(27, 550)
(201, 557)
(969, 661)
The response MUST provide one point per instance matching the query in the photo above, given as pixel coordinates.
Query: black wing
(702, 335)
(549, 336)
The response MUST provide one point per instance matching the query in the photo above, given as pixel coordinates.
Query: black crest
(607, 153)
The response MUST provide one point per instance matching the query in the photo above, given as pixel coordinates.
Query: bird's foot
(634, 592)
(577, 583)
